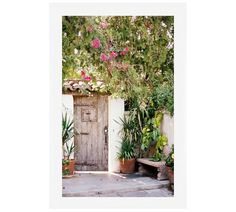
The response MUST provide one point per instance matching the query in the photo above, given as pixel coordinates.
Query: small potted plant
(68, 164)
(126, 156)
(170, 165)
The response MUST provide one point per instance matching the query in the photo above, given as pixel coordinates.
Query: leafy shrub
(126, 150)
(161, 143)
(170, 159)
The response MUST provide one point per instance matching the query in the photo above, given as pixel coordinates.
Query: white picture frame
(57, 10)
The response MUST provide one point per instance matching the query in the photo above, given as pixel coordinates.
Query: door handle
(105, 130)
(106, 134)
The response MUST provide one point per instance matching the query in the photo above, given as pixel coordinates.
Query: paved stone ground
(114, 185)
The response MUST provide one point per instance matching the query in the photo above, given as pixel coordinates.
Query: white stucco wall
(115, 112)
(167, 128)
(67, 106)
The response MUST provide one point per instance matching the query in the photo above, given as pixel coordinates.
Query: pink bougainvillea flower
(87, 78)
(82, 73)
(103, 57)
(96, 43)
(125, 51)
(103, 25)
(113, 55)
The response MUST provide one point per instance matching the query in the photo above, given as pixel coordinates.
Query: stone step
(113, 187)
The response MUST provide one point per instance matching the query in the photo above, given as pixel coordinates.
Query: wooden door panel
(91, 118)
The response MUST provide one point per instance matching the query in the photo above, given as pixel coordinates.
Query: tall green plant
(67, 134)
(67, 128)
(127, 149)
(68, 149)
(138, 114)
(160, 144)
(151, 130)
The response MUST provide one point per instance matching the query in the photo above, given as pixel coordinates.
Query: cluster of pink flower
(85, 77)
(125, 51)
(96, 43)
(103, 25)
(105, 57)
(113, 55)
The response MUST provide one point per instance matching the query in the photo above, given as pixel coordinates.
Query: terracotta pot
(70, 166)
(170, 174)
(127, 166)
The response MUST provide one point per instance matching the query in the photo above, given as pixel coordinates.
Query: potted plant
(68, 164)
(170, 165)
(126, 156)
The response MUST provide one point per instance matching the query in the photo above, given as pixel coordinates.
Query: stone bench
(160, 167)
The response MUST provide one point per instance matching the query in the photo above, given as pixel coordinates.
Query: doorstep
(110, 184)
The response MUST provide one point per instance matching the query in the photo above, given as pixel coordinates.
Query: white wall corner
(68, 106)
(167, 128)
(115, 112)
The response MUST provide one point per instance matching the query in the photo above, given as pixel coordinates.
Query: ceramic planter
(70, 167)
(127, 166)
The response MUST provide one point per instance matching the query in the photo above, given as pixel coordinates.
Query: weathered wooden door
(91, 141)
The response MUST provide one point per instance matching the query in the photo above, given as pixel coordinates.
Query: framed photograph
(117, 105)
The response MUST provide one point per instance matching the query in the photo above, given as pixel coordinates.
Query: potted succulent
(126, 156)
(170, 165)
(68, 164)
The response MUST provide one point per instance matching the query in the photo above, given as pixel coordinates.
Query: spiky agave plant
(69, 149)
(126, 150)
(67, 128)
(67, 134)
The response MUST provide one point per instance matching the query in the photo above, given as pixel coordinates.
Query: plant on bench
(151, 131)
(157, 160)
(153, 142)
(153, 146)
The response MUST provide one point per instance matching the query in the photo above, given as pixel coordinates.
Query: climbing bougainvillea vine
(133, 55)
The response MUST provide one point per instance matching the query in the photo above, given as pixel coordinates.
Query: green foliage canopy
(133, 55)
